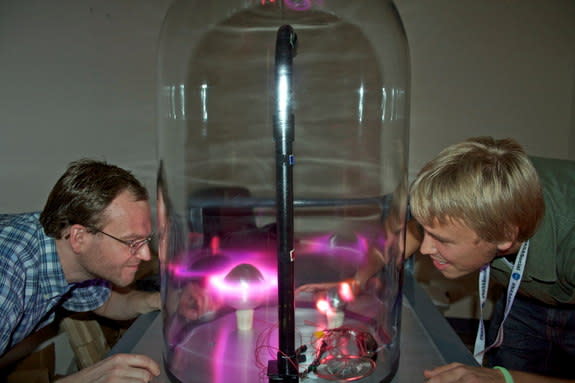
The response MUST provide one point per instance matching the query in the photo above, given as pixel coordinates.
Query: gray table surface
(427, 339)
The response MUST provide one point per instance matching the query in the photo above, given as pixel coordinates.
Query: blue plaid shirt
(32, 282)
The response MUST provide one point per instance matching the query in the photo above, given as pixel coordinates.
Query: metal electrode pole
(285, 368)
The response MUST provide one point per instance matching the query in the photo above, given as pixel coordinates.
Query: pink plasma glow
(327, 245)
(345, 292)
(322, 306)
(244, 294)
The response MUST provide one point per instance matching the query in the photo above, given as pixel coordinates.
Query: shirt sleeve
(11, 301)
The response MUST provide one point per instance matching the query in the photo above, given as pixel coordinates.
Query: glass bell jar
(283, 136)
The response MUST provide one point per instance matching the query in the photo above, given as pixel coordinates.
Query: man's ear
(77, 236)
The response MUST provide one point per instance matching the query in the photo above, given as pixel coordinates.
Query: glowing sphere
(243, 287)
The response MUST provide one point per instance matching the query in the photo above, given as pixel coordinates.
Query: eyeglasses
(134, 244)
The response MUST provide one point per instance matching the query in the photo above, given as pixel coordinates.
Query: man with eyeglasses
(92, 235)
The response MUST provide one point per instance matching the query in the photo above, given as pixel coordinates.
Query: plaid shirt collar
(52, 281)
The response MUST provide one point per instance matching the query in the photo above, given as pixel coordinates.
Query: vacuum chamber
(282, 196)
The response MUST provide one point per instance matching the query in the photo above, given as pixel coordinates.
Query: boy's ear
(505, 246)
(509, 243)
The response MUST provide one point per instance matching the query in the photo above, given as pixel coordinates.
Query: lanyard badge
(512, 288)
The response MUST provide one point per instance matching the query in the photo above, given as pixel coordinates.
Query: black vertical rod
(283, 136)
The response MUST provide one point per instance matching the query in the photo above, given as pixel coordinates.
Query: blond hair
(490, 185)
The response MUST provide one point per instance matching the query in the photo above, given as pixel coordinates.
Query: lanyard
(512, 288)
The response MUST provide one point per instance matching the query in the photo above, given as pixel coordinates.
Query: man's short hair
(83, 192)
(490, 185)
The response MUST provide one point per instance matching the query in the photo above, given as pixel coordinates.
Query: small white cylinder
(244, 319)
(334, 318)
